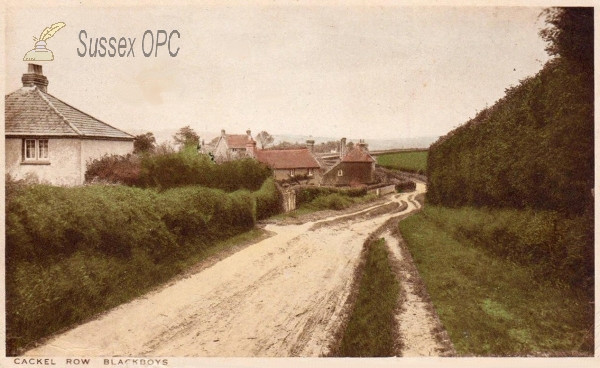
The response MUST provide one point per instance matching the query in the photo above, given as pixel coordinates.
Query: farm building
(356, 167)
(51, 141)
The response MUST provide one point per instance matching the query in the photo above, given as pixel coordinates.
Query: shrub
(406, 186)
(268, 200)
(118, 169)
(332, 201)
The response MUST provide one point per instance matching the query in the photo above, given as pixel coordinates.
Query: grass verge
(494, 307)
(371, 328)
(411, 161)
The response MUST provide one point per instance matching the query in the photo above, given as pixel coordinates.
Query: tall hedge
(73, 252)
(534, 148)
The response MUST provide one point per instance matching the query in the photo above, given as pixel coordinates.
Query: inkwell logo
(40, 52)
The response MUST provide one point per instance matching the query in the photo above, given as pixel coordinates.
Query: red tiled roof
(287, 159)
(29, 111)
(358, 154)
(237, 140)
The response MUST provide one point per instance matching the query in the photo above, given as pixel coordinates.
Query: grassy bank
(411, 161)
(370, 330)
(490, 305)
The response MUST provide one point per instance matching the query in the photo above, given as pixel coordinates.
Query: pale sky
(355, 71)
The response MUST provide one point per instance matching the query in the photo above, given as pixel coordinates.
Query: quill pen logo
(40, 52)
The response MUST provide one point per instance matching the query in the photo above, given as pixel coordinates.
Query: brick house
(232, 146)
(50, 140)
(355, 168)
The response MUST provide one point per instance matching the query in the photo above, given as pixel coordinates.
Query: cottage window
(292, 172)
(340, 172)
(310, 172)
(35, 150)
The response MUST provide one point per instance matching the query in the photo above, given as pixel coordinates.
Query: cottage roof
(237, 140)
(287, 159)
(358, 154)
(31, 112)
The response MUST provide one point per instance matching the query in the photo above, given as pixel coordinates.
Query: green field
(491, 306)
(412, 161)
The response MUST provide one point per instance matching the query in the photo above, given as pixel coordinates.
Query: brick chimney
(35, 77)
(249, 134)
(310, 144)
(223, 133)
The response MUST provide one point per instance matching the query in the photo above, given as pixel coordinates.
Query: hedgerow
(166, 170)
(73, 252)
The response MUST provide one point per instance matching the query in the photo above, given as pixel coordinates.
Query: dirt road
(282, 296)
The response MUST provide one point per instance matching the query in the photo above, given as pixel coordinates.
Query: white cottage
(51, 140)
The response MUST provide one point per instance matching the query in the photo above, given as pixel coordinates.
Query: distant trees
(144, 143)
(287, 145)
(264, 138)
(186, 137)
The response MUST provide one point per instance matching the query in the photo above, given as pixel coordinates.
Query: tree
(186, 136)
(144, 143)
(264, 139)
(570, 35)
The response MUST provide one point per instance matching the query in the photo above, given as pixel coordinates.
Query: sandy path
(282, 296)
(418, 325)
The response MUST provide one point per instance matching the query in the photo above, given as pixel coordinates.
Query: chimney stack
(223, 133)
(249, 134)
(35, 77)
(342, 147)
(310, 144)
(251, 148)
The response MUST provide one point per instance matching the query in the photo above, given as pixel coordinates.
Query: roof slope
(29, 111)
(287, 159)
(358, 154)
(237, 140)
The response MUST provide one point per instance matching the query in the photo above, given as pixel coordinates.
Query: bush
(268, 200)
(405, 186)
(117, 169)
